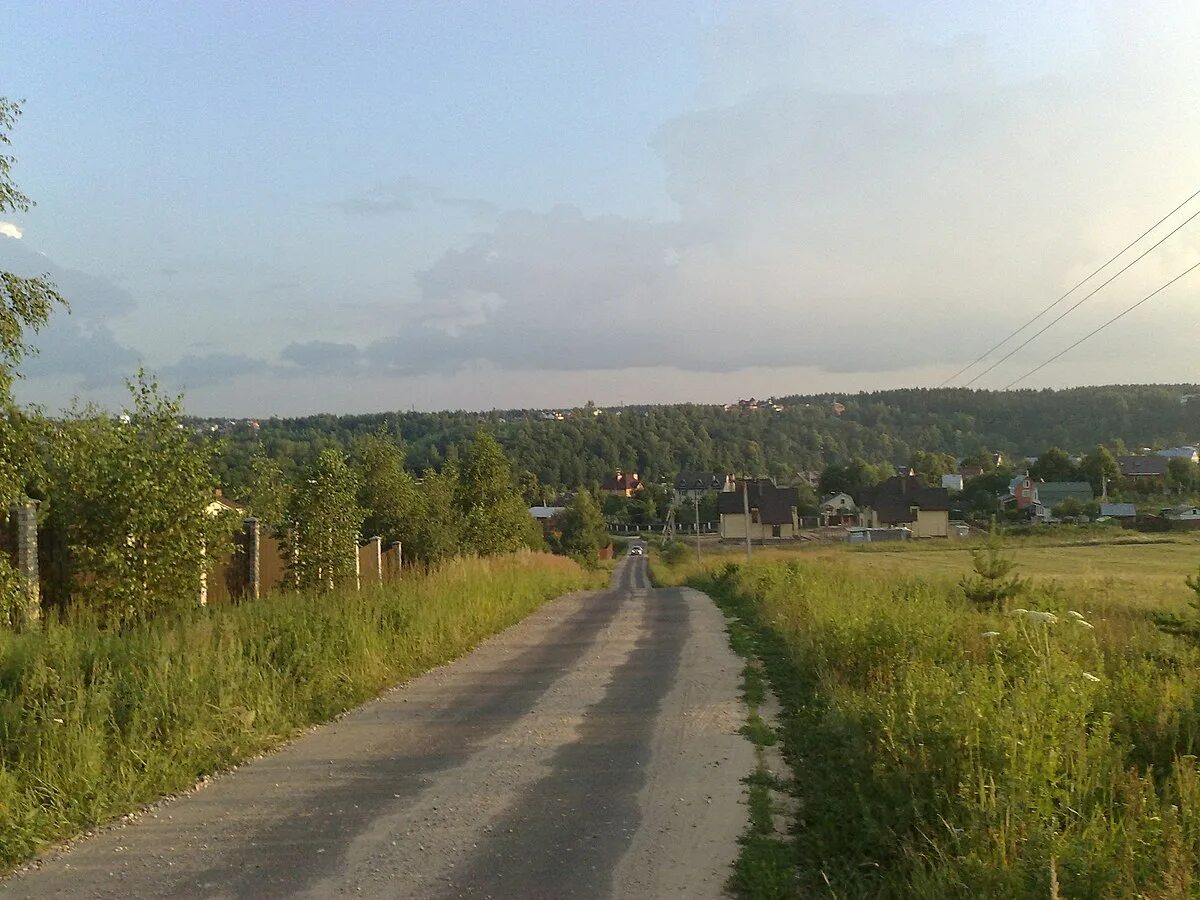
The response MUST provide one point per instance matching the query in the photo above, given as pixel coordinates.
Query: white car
(637, 551)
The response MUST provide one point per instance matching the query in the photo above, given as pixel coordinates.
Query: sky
(282, 209)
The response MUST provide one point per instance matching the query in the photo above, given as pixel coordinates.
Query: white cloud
(854, 198)
(8, 229)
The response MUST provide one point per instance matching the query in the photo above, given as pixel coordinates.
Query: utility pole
(696, 505)
(746, 512)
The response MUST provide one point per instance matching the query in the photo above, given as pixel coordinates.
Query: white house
(838, 509)
(1182, 513)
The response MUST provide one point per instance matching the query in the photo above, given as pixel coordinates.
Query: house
(1143, 467)
(969, 472)
(1191, 454)
(953, 482)
(621, 485)
(907, 501)
(1182, 513)
(222, 504)
(1051, 494)
(549, 518)
(694, 485)
(1023, 491)
(839, 509)
(838, 407)
(773, 511)
(1118, 511)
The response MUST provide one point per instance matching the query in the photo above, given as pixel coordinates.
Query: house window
(754, 516)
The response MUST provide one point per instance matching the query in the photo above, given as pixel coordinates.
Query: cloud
(322, 358)
(212, 368)
(854, 198)
(408, 195)
(80, 344)
(8, 229)
(86, 351)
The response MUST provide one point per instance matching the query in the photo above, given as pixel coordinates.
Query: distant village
(1145, 490)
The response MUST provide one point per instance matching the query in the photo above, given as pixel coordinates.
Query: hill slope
(791, 434)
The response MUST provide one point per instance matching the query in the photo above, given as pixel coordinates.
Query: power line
(1100, 328)
(1108, 263)
(1078, 303)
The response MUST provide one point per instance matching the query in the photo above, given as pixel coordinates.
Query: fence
(680, 527)
(255, 565)
(259, 564)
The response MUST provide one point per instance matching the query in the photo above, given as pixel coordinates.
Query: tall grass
(94, 723)
(942, 751)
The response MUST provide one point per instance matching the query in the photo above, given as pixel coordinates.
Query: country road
(589, 751)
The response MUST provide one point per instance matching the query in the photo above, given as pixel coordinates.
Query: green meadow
(941, 749)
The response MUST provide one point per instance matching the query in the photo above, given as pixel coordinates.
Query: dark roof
(894, 499)
(1143, 465)
(699, 481)
(1052, 493)
(774, 504)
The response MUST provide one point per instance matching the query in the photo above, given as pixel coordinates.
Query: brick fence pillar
(251, 549)
(24, 517)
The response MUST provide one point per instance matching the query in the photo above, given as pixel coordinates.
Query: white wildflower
(1090, 677)
(1047, 618)
(991, 634)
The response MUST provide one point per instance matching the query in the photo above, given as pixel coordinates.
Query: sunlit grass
(945, 751)
(94, 723)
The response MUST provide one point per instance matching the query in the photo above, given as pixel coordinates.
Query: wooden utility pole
(696, 504)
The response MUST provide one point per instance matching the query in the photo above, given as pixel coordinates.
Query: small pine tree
(992, 585)
(1193, 582)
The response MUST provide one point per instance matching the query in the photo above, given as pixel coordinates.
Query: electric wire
(1080, 284)
(1100, 328)
(1078, 303)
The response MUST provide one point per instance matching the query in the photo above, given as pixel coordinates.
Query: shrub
(130, 499)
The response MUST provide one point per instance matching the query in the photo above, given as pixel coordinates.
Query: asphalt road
(590, 751)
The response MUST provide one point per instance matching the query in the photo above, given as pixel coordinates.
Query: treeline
(129, 525)
(780, 439)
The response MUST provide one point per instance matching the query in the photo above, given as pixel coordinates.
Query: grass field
(945, 750)
(95, 723)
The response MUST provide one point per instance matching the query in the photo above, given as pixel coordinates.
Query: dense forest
(779, 437)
